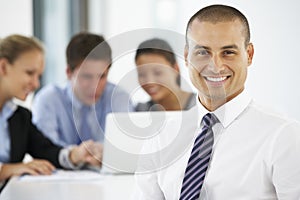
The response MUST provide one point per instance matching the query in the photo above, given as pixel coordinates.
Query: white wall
(273, 76)
(15, 17)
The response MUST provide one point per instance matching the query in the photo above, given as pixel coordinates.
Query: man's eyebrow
(233, 46)
(230, 47)
(201, 47)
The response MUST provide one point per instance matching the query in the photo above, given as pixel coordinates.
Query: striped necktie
(199, 160)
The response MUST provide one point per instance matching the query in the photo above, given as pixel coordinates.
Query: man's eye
(140, 74)
(228, 53)
(202, 52)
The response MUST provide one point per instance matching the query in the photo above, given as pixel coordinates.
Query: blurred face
(22, 76)
(218, 60)
(156, 76)
(89, 80)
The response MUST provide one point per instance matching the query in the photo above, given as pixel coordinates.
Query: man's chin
(90, 103)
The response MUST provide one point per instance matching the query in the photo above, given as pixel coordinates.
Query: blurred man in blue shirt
(77, 112)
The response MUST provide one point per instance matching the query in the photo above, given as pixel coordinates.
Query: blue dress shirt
(7, 111)
(56, 111)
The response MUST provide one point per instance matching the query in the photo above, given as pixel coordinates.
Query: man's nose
(216, 64)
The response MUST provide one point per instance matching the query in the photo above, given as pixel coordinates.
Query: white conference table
(107, 187)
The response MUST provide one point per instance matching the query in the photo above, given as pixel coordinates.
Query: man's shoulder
(115, 98)
(263, 112)
(50, 95)
(49, 92)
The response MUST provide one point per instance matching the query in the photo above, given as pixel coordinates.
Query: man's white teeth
(216, 79)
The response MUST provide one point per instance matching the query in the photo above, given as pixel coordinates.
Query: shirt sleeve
(285, 162)
(64, 159)
(39, 146)
(147, 187)
(146, 177)
(44, 110)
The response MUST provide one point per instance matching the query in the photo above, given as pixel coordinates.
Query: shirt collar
(228, 112)
(8, 109)
(76, 103)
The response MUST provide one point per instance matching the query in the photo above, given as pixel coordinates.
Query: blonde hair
(11, 47)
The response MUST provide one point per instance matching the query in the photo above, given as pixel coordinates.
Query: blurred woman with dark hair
(159, 76)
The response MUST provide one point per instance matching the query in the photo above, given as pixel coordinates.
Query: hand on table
(35, 167)
(87, 152)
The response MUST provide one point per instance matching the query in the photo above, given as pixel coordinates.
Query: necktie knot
(209, 120)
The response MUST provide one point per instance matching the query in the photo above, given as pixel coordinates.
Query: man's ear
(176, 67)
(186, 53)
(3, 66)
(250, 53)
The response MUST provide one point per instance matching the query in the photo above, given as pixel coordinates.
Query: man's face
(89, 80)
(217, 60)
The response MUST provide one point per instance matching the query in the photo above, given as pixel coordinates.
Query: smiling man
(218, 54)
(77, 112)
(234, 149)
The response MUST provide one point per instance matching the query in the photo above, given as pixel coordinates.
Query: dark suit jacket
(26, 138)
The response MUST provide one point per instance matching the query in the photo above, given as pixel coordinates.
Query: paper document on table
(63, 175)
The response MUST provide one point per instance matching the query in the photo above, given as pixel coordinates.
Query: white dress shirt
(256, 155)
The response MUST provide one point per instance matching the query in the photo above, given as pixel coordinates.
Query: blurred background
(274, 27)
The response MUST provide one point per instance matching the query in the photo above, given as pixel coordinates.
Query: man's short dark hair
(87, 45)
(220, 13)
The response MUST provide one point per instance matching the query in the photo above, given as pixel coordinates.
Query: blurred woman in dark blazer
(21, 65)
